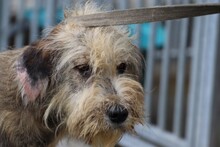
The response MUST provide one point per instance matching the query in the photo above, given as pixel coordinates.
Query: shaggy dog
(77, 82)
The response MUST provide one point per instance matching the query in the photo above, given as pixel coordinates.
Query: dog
(76, 82)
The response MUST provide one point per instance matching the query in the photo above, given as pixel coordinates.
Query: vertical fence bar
(162, 108)
(200, 87)
(180, 79)
(175, 37)
(111, 4)
(34, 21)
(201, 77)
(207, 77)
(178, 106)
(1, 28)
(122, 4)
(5, 15)
(194, 81)
(135, 4)
(164, 79)
(193, 97)
(66, 4)
(138, 4)
(150, 53)
(215, 127)
(20, 15)
(50, 13)
(1, 5)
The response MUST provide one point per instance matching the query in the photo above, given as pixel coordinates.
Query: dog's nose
(117, 114)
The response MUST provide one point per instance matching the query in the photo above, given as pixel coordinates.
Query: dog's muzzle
(117, 114)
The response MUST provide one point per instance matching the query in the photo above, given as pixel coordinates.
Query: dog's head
(89, 77)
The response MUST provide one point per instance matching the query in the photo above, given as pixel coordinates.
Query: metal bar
(175, 37)
(164, 77)
(195, 82)
(122, 4)
(207, 77)
(131, 141)
(5, 24)
(150, 55)
(160, 138)
(178, 106)
(150, 69)
(65, 4)
(162, 110)
(20, 14)
(215, 127)
(34, 22)
(1, 5)
(134, 16)
(15, 27)
(138, 4)
(180, 79)
(50, 12)
(173, 53)
(200, 87)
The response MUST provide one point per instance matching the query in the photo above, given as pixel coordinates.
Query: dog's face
(92, 77)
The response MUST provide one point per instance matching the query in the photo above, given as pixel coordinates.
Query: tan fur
(78, 104)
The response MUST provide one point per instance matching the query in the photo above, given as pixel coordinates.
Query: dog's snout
(117, 114)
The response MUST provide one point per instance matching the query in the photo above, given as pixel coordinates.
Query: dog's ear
(34, 70)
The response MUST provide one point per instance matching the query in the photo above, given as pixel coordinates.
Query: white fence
(181, 73)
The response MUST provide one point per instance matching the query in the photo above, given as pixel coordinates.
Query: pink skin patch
(29, 92)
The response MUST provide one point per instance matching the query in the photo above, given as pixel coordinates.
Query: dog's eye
(85, 70)
(121, 68)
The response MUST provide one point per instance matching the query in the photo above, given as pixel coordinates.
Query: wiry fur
(43, 95)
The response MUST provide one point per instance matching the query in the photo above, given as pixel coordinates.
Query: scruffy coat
(63, 84)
